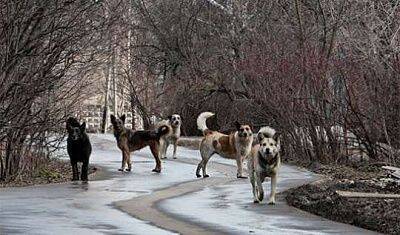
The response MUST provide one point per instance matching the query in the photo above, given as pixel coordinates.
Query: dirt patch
(320, 198)
(51, 171)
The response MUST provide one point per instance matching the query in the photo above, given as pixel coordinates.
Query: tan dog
(236, 146)
(264, 161)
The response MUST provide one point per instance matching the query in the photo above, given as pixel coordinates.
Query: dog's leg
(85, 168)
(259, 188)
(166, 148)
(205, 161)
(128, 161)
(199, 166)
(175, 147)
(162, 148)
(75, 173)
(254, 186)
(123, 160)
(239, 163)
(273, 189)
(155, 150)
(206, 154)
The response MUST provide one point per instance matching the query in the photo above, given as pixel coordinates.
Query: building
(92, 114)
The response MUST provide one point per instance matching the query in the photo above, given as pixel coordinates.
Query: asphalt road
(143, 202)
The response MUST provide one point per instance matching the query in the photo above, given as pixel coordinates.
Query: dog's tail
(266, 132)
(162, 130)
(201, 121)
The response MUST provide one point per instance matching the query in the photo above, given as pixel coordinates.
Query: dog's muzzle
(243, 134)
(268, 153)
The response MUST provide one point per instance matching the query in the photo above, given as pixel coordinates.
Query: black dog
(79, 148)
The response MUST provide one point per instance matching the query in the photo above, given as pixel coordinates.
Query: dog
(236, 145)
(78, 147)
(174, 122)
(264, 161)
(129, 140)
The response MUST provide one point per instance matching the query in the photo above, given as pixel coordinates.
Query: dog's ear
(277, 137)
(169, 117)
(123, 117)
(71, 122)
(237, 125)
(251, 127)
(260, 136)
(112, 118)
(83, 126)
(68, 125)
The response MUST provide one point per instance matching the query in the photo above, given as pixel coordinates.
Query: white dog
(264, 161)
(174, 121)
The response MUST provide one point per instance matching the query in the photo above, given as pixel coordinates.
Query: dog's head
(244, 131)
(270, 146)
(75, 130)
(118, 123)
(175, 120)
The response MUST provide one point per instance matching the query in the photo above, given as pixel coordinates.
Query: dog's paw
(271, 202)
(156, 170)
(241, 177)
(198, 175)
(206, 176)
(84, 178)
(128, 169)
(174, 157)
(120, 169)
(256, 201)
(75, 179)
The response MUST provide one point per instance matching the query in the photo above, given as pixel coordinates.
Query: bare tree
(47, 54)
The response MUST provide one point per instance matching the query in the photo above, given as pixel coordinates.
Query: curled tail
(201, 122)
(162, 130)
(266, 132)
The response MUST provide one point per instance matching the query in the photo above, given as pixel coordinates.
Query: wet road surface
(142, 202)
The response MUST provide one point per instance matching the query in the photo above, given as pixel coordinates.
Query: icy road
(143, 202)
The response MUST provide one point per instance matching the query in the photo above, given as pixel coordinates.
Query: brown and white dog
(264, 161)
(236, 145)
(174, 122)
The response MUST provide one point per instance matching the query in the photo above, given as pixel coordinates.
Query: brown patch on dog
(208, 132)
(225, 145)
